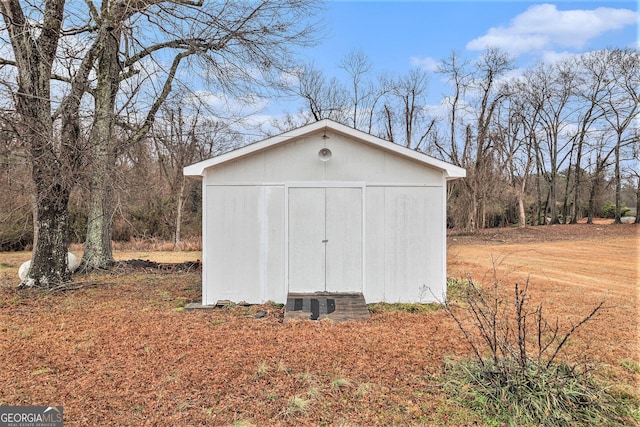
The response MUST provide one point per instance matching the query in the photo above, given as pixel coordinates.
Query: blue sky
(400, 35)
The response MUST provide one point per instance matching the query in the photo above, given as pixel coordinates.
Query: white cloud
(427, 63)
(542, 27)
(551, 57)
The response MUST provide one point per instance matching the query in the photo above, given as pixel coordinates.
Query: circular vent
(324, 154)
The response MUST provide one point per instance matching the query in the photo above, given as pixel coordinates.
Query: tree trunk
(34, 213)
(49, 258)
(97, 247)
(565, 200)
(522, 216)
(547, 209)
(98, 252)
(179, 207)
(538, 207)
(594, 193)
(34, 61)
(618, 180)
(575, 209)
(553, 197)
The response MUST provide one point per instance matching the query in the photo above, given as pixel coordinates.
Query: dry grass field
(120, 350)
(570, 270)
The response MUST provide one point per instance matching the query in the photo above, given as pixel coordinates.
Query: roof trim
(451, 171)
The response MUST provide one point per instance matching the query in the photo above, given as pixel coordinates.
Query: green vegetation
(338, 384)
(631, 365)
(456, 288)
(383, 307)
(609, 210)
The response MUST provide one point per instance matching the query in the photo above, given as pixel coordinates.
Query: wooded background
(557, 142)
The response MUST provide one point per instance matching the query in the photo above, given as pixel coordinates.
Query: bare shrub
(516, 375)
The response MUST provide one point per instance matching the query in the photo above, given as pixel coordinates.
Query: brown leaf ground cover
(121, 351)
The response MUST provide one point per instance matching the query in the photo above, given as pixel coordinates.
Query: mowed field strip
(590, 265)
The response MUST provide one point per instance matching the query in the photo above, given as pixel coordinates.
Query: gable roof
(451, 171)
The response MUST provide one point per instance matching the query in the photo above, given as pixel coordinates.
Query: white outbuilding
(323, 209)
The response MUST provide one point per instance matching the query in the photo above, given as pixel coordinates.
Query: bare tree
(356, 64)
(555, 84)
(515, 136)
(410, 91)
(231, 45)
(236, 46)
(324, 99)
(459, 76)
(51, 131)
(591, 86)
(180, 139)
(603, 152)
(621, 107)
(492, 65)
(635, 172)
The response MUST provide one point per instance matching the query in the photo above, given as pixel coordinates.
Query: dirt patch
(156, 267)
(127, 353)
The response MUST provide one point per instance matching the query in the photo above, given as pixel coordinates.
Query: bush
(609, 210)
(516, 377)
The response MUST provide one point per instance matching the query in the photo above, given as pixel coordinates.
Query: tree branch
(190, 43)
(166, 89)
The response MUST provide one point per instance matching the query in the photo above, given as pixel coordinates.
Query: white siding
(344, 240)
(297, 161)
(375, 244)
(405, 242)
(244, 244)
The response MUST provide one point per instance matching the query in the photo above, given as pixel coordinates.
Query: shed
(323, 209)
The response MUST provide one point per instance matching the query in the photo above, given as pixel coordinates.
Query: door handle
(324, 241)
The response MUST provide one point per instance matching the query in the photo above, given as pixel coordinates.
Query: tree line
(552, 143)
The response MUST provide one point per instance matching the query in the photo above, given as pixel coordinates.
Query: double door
(325, 239)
